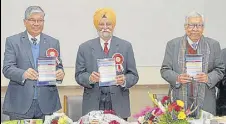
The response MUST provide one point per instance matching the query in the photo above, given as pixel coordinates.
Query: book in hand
(193, 64)
(46, 71)
(107, 70)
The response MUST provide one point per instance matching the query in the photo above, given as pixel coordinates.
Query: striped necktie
(34, 41)
(194, 46)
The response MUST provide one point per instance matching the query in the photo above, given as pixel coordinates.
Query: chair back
(3, 116)
(73, 107)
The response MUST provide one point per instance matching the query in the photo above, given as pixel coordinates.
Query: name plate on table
(46, 71)
(107, 70)
(193, 64)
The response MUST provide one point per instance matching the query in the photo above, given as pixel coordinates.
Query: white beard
(105, 34)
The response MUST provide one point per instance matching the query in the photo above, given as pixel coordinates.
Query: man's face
(105, 29)
(34, 24)
(194, 28)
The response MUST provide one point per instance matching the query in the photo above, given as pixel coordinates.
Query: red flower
(81, 122)
(114, 122)
(151, 118)
(54, 121)
(172, 106)
(109, 112)
(164, 99)
(177, 108)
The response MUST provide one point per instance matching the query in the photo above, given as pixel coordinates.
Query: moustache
(105, 31)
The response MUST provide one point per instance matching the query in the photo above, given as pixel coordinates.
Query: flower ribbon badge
(119, 59)
(51, 52)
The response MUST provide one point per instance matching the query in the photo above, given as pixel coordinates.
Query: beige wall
(150, 80)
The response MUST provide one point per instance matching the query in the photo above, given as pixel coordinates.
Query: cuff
(177, 85)
(23, 79)
(90, 82)
(124, 85)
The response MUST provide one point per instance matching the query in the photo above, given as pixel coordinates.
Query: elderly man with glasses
(192, 65)
(24, 99)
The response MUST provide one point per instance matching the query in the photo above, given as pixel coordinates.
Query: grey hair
(33, 9)
(193, 14)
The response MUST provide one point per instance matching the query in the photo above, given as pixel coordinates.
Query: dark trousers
(221, 107)
(33, 113)
(105, 102)
(125, 119)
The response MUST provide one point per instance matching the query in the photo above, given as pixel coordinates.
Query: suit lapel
(200, 45)
(27, 47)
(178, 50)
(114, 47)
(97, 52)
(44, 45)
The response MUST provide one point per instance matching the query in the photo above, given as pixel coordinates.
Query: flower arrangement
(164, 112)
(58, 118)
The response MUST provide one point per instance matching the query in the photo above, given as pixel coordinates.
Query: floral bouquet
(164, 112)
(58, 118)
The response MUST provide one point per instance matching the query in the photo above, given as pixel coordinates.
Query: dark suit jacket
(221, 100)
(17, 59)
(86, 63)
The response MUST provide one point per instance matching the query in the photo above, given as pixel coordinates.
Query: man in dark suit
(221, 100)
(24, 99)
(114, 97)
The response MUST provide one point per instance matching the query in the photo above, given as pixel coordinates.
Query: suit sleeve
(60, 63)
(217, 73)
(131, 73)
(166, 70)
(10, 69)
(81, 75)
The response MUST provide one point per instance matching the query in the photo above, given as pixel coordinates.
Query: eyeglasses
(192, 26)
(33, 21)
(103, 24)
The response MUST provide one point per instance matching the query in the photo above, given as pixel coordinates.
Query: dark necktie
(106, 48)
(34, 40)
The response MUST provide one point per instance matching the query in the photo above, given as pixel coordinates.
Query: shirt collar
(102, 43)
(37, 37)
(191, 42)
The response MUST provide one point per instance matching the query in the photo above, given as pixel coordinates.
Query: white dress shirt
(102, 43)
(191, 43)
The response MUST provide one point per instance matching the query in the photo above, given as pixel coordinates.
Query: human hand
(201, 77)
(94, 77)
(60, 74)
(31, 74)
(184, 78)
(120, 79)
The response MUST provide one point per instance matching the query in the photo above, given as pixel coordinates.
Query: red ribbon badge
(119, 59)
(51, 52)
